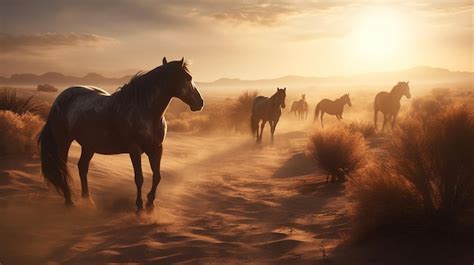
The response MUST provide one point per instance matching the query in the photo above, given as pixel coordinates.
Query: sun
(379, 33)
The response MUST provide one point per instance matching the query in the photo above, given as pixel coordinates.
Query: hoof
(150, 207)
(69, 204)
(89, 201)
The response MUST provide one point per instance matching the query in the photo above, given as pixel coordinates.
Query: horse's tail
(316, 111)
(54, 161)
(254, 125)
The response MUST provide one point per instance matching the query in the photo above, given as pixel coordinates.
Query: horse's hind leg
(63, 154)
(137, 168)
(262, 126)
(83, 165)
(155, 162)
(375, 118)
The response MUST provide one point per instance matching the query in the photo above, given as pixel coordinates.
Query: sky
(235, 39)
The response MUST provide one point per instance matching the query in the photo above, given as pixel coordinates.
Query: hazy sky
(245, 39)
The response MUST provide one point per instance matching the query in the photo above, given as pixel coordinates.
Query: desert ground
(222, 200)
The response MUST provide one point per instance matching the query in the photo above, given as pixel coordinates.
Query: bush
(18, 133)
(382, 198)
(47, 88)
(10, 101)
(437, 156)
(427, 177)
(338, 150)
(241, 111)
(365, 128)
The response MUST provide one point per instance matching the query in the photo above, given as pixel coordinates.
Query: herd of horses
(268, 109)
(131, 120)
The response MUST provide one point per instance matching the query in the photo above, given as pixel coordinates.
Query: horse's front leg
(272, 128)
(154, 157)
(136, 158)
(83, 166)
(322, 124)
(385, 120)
(393, 119)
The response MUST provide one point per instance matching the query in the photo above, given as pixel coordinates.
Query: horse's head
(347, 100)
(406, 89)
(280, 96)
(182, 85)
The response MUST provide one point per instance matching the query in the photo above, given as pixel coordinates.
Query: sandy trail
(221, 199)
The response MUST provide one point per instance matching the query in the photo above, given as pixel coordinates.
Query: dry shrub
(9, 100)
(427, 177)
(437, 156)
(338, 148)
(240, 112)
(382, 199)
(187, 122)
(18, 133)
(365, 128)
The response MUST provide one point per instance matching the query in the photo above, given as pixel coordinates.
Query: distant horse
(128, 121)
(335, 107)
(267, 109)
(300, 108)
(389, 103)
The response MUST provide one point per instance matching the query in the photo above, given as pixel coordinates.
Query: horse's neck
(274, 103)
(143, 105)
(340, 102)
(396, 94)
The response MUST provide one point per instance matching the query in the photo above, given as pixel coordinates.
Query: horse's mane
(397, 87)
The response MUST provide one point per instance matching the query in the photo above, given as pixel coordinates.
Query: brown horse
(335, 107)
(267, 109)
(389, 103)
(300, 108)
(128, 121)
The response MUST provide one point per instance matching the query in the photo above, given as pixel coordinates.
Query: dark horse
(128, 121)
(335, 107)
(267, 109)
(389, 103)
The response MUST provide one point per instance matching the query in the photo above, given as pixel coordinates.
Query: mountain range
(421, 75)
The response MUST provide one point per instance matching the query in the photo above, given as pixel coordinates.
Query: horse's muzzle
(198, 106)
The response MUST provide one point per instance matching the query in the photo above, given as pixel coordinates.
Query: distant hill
(422, 75)
(58, 79)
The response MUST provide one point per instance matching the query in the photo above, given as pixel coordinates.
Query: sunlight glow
(379, 33)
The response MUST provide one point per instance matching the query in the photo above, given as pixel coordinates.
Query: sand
(222, 199)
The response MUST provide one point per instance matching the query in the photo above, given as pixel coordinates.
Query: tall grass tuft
(437, 156)
(427, 177)
(241, 111)
(9, 100)
(338, 150)
(18, 133)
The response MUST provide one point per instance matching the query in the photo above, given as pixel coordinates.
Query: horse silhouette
(128, 121)
(300, 108)
(335, 107)
(389, 103)
(267, 109)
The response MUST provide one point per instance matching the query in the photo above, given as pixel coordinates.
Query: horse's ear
(284, 89)
(165, 61)
(182, 61)
(278, 89)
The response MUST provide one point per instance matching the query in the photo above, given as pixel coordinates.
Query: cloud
(266, 13)
(36, 43)
(311, 36)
